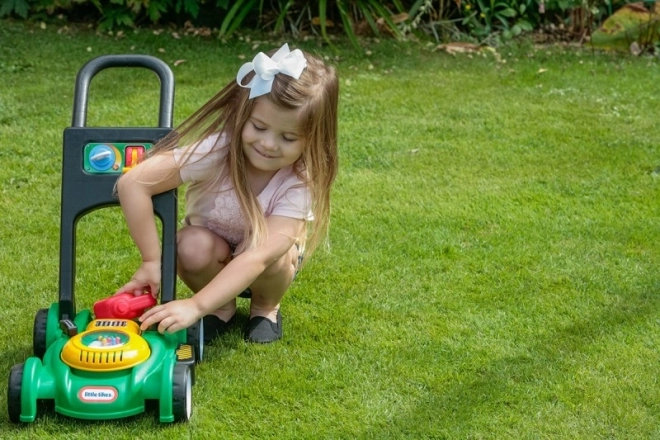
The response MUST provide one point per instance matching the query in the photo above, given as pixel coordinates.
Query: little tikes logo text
(97, 394)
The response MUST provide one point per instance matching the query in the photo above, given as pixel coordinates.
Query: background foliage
(443, 20)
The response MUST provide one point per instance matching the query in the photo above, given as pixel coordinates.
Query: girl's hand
(173, 316)
(146, 279)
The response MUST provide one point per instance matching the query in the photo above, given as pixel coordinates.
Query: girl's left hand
(173, 316)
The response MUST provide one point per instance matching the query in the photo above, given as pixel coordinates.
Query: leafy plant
(235, 14)
(443, 19)
(525, 19)
(580, 17)
(290, 16)
(511, 17)
(18, 7)
(115, 16)
(378, 17)
(128, 13)
(354, 15)
(561, 5)
(190, 7)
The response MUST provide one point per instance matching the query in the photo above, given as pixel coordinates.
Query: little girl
(260, 159)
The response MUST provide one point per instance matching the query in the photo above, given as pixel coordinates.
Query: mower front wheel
(14, 393)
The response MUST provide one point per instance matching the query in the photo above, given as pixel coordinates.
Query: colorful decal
(99, 394)
(112, 158)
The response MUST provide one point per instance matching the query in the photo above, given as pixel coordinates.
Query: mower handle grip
(94, 66)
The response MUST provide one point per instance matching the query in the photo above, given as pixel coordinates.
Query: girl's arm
(239, 274)
(135, 189)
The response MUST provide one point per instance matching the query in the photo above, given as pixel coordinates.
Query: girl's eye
(258, 128)
(288, 139)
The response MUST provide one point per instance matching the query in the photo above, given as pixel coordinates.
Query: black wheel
(195, 334)
(14, 393)
(39, 333)
(182, 393)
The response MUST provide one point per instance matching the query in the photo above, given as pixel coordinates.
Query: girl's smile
(264, 155)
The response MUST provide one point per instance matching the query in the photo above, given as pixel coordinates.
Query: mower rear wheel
(195, 335)
(182, 393)
(39, 333)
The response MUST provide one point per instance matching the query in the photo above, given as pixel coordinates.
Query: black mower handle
(94, 66)
(83, 192)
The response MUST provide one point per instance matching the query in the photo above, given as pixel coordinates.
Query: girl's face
(271, 138)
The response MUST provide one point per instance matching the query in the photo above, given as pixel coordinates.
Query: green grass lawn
(494, 269)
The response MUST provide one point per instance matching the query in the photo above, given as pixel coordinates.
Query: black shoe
(214, 327)
(263, 330)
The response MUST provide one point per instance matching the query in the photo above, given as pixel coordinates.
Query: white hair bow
(265, 69)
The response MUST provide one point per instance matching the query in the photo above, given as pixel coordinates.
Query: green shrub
(511, 17)
(20, 8)
(353, 18)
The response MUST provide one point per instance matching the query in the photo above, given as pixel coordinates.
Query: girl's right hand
(145, 280)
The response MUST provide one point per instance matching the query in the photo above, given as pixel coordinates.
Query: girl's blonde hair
(315, 95)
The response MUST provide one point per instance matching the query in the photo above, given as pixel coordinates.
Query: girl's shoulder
(285, 180)
(216, 143)
(211, 148)
(287, 195)
(201, 160)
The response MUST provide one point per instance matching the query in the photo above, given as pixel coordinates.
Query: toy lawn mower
(104, 367)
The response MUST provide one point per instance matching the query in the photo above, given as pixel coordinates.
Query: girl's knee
(197, 248)
(285, 266)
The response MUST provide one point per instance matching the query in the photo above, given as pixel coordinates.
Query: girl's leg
(269, 288)
(201, 255)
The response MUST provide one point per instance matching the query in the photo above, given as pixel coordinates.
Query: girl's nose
(268, 142)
